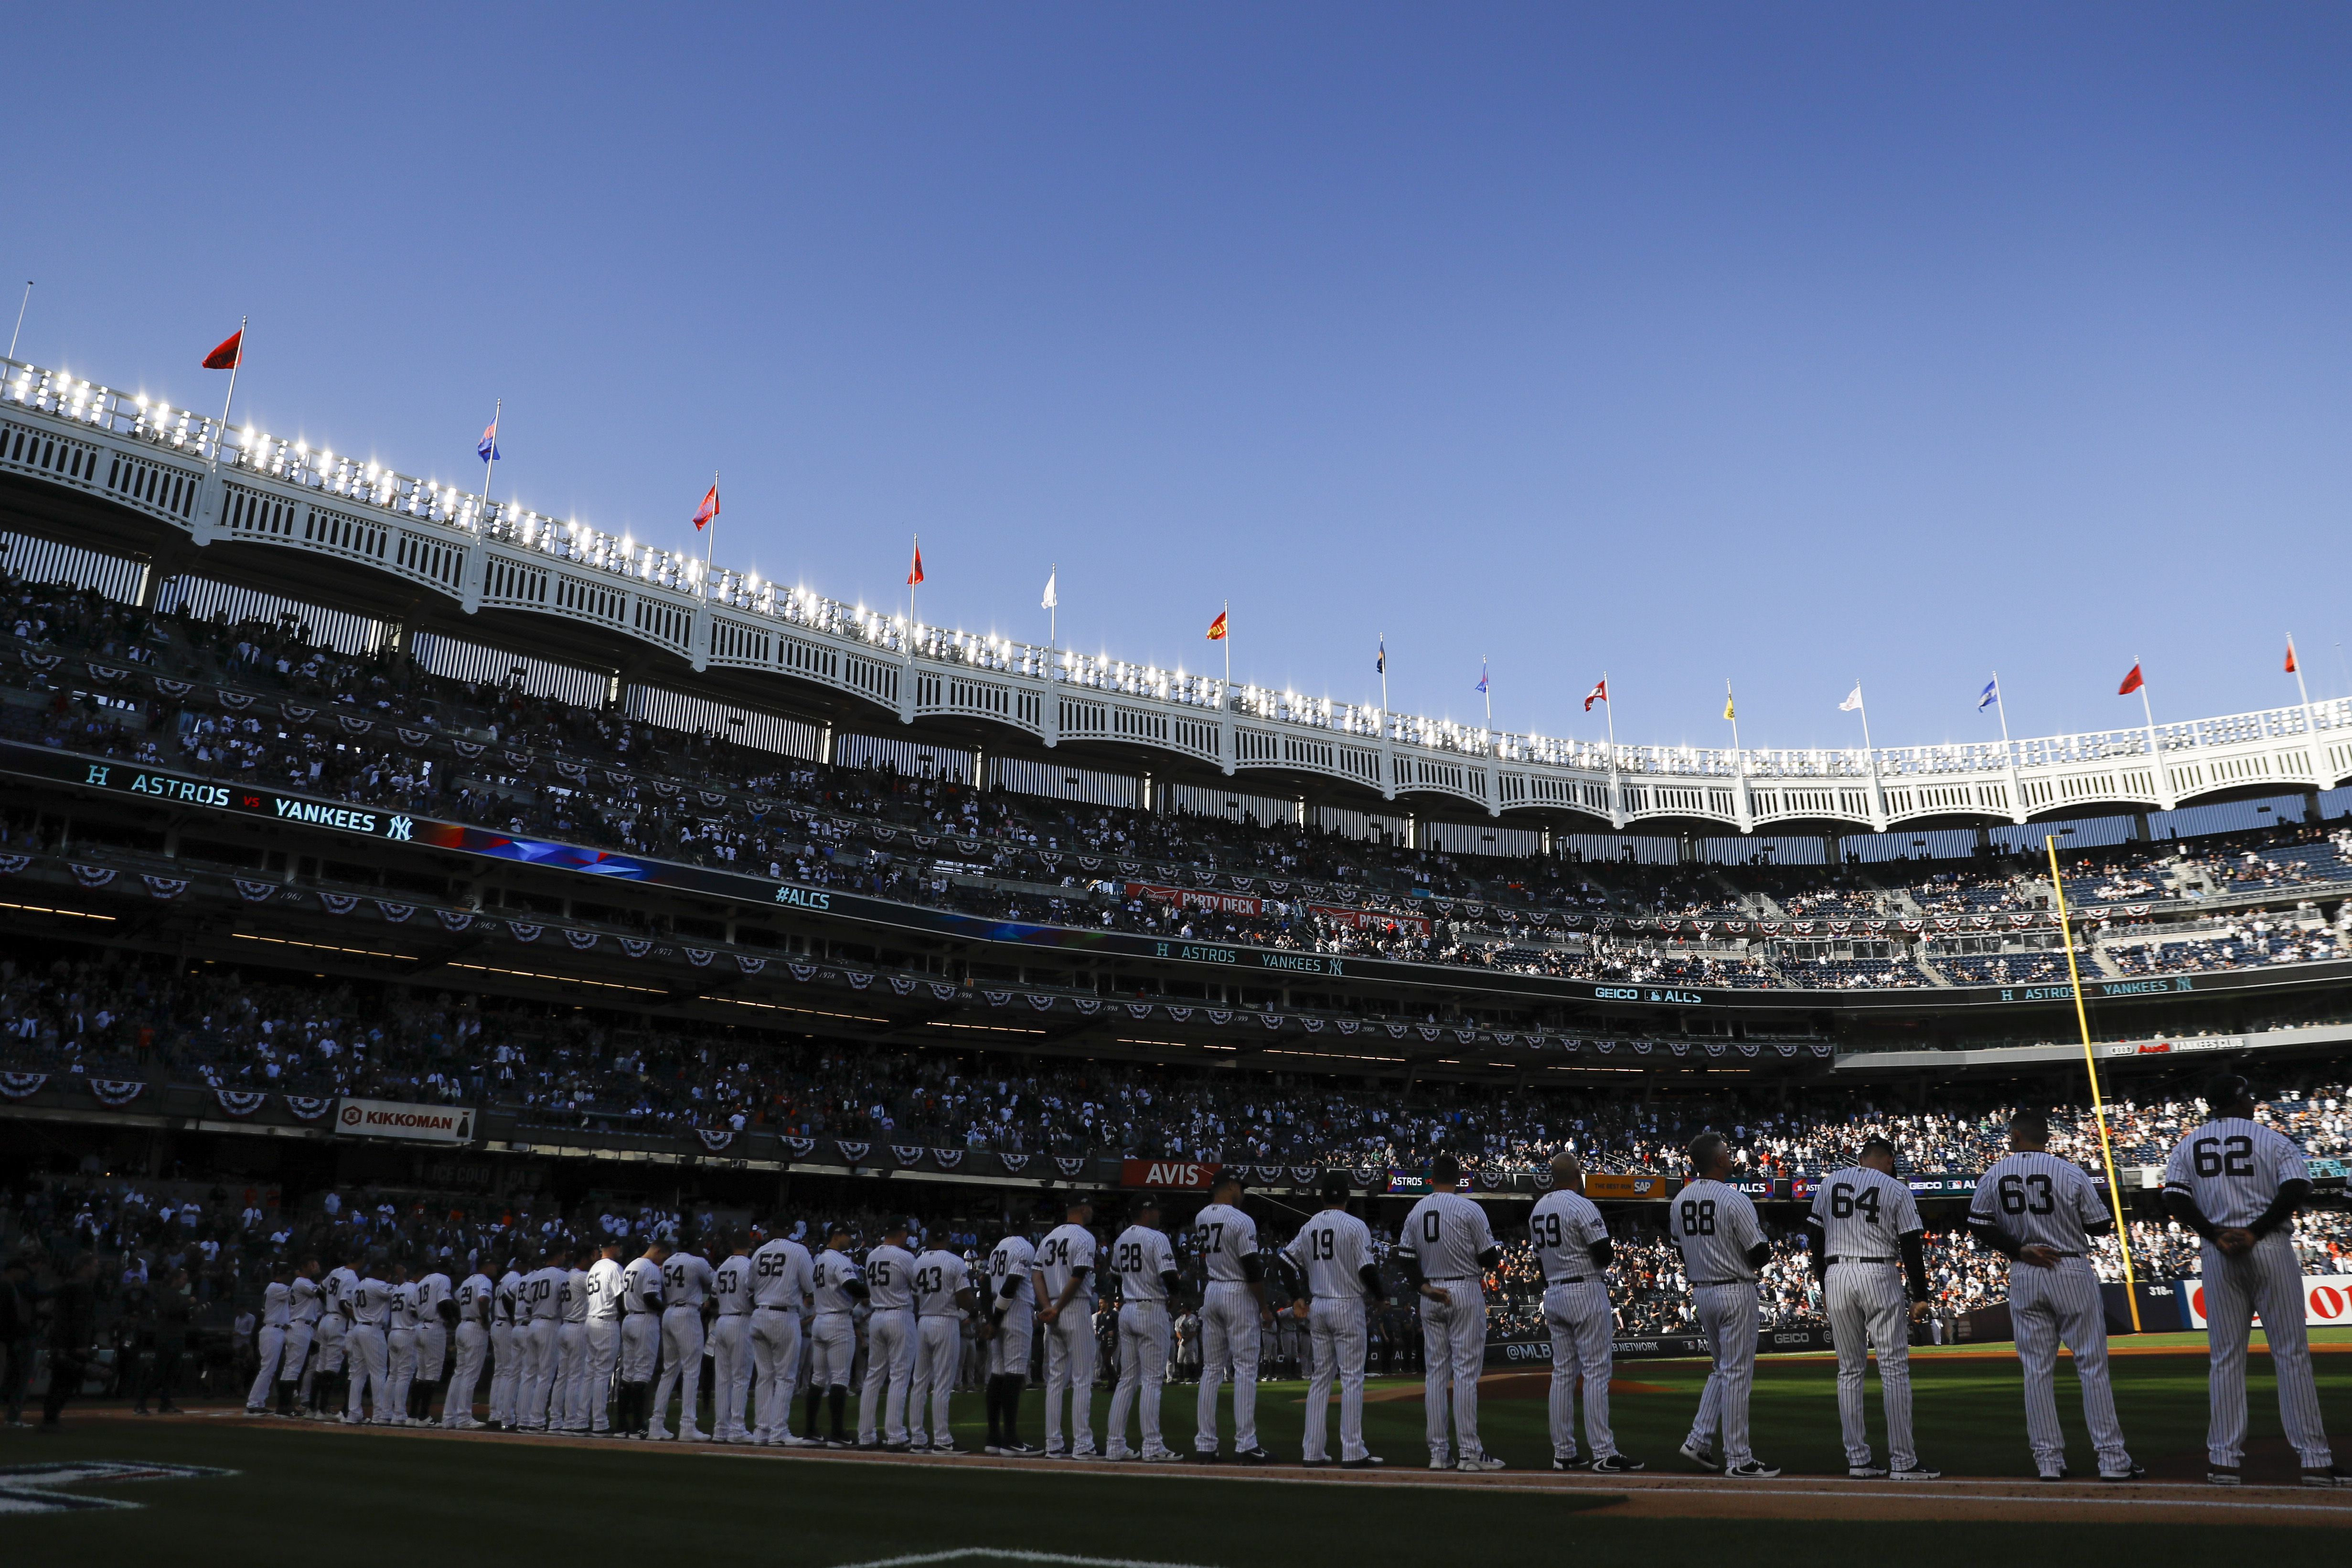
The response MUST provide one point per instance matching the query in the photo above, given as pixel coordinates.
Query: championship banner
(399, 1119)
(2326, 1301)
(1373, 920)
(1197, 898)
(1174, 1176)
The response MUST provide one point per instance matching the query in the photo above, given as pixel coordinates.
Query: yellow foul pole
(2090, 1065)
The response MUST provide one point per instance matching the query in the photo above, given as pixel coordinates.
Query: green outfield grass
(300, 1489)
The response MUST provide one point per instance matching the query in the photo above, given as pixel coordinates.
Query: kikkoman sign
(399, 1119)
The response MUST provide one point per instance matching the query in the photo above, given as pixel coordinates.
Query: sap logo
(1616, 994)
(804, 898)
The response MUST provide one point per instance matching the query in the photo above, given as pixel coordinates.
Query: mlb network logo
(1180, 1175)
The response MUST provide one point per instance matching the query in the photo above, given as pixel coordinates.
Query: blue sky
(1793, 344)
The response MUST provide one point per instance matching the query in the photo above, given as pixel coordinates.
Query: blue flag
(487, 448)
(1482, 677)
(1381, 659)
(1989, 695)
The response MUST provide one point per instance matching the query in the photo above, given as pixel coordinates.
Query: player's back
(2232, 1169)
(1863, 1213)
(474, 1297)
(277, 1305)
(780, 1275)
(576, 1296)
(1141, 1256)
(1011, 1259)
(731, 1284)
(1332, 1249)
(686, 1280)
(832, 1273)
(1716, 1226)
(371, 1302)
(939, 1275)
(1564, 1227)
(1068, 1254)
(306, 1306)
(1445, 1232)
(605, 1288)
(340, 1282)
(2039, 1200)
(889, 1278)
(640, 1280)
(1227, 1237)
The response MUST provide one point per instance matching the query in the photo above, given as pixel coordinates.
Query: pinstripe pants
(2268, 1279)
(2059, 1305)
(1582, 1327)
(1868, 1310)
(1727, 1316)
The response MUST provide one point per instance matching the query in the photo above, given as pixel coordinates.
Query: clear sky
(1791, 343)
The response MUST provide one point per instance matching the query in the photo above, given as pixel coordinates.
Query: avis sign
(1177, 1176)
(2327, 1302)
(401, 1119)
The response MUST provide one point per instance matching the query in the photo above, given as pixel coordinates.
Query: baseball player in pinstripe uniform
(400, 1343)
(943, 1293)
(1065, 1297)
(1011, 1331)
(370, 1302)
(538, 1326)
(604, 1334)
(2039, 1212)
(1573, 1250)
(686, 1286)
(1723, 1245)
(1146, 1267)
(1445, 1248)
(1867, 1236)
(2236, 1183)
(1233, 1310)
(641, 1314)
(435, 1315)
(507, 1351)
(334, 1324)
(1329, 1267)
(781, 1287)
(836, 1285)
(276, 1312)
(731, 1344)
(568, 1409)
(475, 1297)
(889, 1341)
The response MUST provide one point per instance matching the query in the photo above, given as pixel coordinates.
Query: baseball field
(295, 1487)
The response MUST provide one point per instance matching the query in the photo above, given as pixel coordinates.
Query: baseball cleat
(1315, 1464)
(1615, 1465)
(1865, 1472)
(1088, 1454)
(2129, 1473)
(2331, 1476)
(991, 1448)
(1118, 1455)
(1164, 1457)
(1697, 1453)
(1252, 1457)
(2057, 1475)
(2223, 1476)
(1570, 1462)
(1439, 1462)
(1369, 1462)
(1753, 1471)
(1915, 1473)
(1017, 1451)
(1198, 1457)
(1478, 1463)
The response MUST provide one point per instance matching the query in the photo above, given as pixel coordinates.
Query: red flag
(227, 356)
(2132, 682)
(1599, 693)
(709, 510)
(1217, 628)
(2290, 656)
(916, 576)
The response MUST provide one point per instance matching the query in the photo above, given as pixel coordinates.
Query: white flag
(1050, 599)
(1852, 700)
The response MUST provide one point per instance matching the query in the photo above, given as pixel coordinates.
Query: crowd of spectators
(381, 729)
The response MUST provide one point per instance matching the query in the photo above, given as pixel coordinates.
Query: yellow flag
(1727, 703)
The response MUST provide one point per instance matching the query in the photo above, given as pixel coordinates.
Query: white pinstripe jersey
(306, 1306)
(781, 1272)
(1445, 1232)
(829, 1278)
(473, 1296)
(1139, 1256)
(1011, 1259)
(2039, 1200)
(1331, 1249)
(641, 1278)
(277, 1305)
(342, 1280)
(940, 1274)
(1565, 1228)
(889, 1278)
(1717, 1228)
(731, 1284)
(1863, 1213)
(2232, 1169)
(1067, 1250)
(686, 1280)
(1227, 1236)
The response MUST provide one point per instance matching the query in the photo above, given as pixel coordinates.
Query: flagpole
(2310, 729)
(234, 365)
(1870, 755)
(1226, 615)
(20, 319)
(1054, 611)
(498, 417)
(2007, 756)
(2090, 1065)
(1384, 679)
(2155, 757)
(912, 588)
(1486, 690)
(1609, 708)
(709, 542)
(1731, 712)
